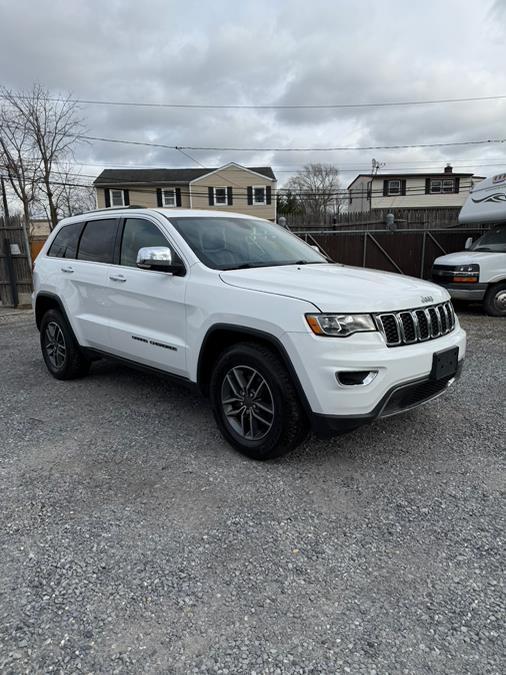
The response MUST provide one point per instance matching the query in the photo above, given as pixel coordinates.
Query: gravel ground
(134, 540)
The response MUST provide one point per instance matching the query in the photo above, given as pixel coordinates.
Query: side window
(97, 241)
(138, 233)
(65, 242)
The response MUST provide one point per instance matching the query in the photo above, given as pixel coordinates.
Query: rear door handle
(68, 270)
(117, 277)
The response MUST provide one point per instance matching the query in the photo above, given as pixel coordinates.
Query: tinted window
(138, 233)
(65, 242)
(97, 241)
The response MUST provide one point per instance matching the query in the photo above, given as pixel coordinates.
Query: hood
(336, 288)
(464, 258)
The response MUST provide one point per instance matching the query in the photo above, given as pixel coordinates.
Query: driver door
(147, 308)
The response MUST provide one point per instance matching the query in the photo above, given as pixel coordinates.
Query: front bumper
(472, 292)
(399, 399)
(316, 361)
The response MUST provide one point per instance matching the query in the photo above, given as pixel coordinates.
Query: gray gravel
(134, 540)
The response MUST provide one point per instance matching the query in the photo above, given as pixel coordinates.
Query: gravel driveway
(134, 540)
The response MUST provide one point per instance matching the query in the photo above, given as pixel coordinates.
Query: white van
(479, 272)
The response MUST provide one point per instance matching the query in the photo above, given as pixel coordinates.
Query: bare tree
(70, 195)
(52, 128)
(316, 188)
(18, 159)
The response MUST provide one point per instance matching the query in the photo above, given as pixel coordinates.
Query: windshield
(231, 243)
(493, 240)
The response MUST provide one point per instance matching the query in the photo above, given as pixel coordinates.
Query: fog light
(354, 378)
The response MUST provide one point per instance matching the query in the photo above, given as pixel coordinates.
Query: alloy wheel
(54, 344)
(247, 402)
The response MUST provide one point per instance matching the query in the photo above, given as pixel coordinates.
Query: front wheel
(495, 300)
(255, 403)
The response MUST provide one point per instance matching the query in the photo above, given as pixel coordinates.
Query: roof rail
(111, 208)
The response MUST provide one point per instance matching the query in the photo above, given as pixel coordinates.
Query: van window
(138, 233)
(65, 242)
(97, 241)
(494, 241)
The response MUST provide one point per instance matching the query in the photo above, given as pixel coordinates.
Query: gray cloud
(286, 52)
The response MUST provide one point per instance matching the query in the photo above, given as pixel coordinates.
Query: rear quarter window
(65, 243)
(97, 241)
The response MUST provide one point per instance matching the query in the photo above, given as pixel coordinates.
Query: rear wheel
(255, 403)
(495, 300)
(60, 350)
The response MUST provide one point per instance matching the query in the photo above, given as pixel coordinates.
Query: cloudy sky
(270, 52)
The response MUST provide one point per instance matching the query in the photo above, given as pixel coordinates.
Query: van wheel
(255, 403)
(60, 350)
(495, 300)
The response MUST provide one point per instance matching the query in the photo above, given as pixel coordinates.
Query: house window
(117, 198)
(442, 185)
(394, 187)
(169, 197)
(220, 196)
(259, 195)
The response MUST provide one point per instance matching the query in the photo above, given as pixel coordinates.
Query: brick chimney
(448, 168)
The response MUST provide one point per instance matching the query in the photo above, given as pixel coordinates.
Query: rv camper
(479, 272)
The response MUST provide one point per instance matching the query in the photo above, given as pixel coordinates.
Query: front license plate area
(445, 364)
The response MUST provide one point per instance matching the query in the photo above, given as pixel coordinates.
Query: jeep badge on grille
(427, 298)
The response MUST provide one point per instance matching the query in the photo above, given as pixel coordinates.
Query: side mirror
(158, 258)
(468, 243)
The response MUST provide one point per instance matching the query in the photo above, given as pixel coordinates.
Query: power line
(102, 139)
(268, 106)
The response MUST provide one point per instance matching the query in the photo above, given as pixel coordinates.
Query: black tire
(495, 300)
(61, 353)
(288, 423)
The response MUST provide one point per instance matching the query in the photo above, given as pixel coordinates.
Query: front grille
(416, 325)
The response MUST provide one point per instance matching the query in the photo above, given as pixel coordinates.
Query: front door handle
(117, 277)
(67, 270)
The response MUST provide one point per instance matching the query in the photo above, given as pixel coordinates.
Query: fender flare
(262, 335)
(54, 298)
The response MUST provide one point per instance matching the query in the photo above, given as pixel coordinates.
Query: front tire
(255, 403)
(60, 350)
(495, 300)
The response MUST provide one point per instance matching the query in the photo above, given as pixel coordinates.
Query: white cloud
(256, 52)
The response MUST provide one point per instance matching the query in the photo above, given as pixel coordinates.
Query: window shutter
(159, 199)
(210, 193)
(403, 188)
(385, 188)
(230, 196)
(126, 197)
(457, 184)
(268, 197)
(427, 186)
(178, 196)
(250, 195)
(107, 195)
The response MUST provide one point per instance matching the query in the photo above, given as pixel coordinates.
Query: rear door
(146, 308)
(87, 277)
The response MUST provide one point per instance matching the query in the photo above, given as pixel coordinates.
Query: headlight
(468, 268)
(340, 325)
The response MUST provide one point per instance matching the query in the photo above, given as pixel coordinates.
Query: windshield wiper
(244, 266)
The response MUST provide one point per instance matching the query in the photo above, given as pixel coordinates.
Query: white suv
(281, 339)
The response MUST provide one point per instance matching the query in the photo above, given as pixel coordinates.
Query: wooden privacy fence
(432, 218)
(409, 251)
(15, 269)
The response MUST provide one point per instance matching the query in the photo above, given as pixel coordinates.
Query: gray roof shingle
(162, 176)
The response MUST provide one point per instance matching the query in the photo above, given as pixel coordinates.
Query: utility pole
(4, 199)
